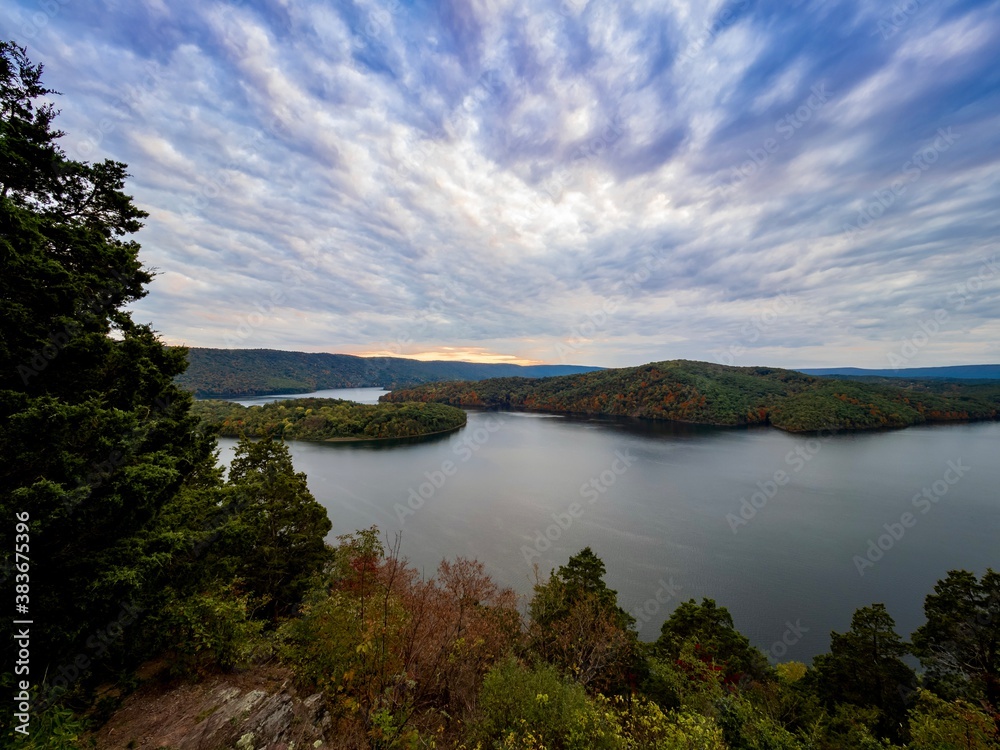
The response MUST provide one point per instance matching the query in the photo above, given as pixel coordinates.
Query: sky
(797, 184)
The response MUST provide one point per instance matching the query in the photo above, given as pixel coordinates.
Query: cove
(770, 525)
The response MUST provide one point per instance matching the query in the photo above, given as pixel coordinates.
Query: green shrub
(53, 728)
(646, 727)
(688, 682)
(936, 724)
(212, 628)
(747, 727)
(537, 708)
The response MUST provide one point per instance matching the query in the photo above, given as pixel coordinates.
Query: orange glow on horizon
(454, 354)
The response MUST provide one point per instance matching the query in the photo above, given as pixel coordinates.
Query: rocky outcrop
(255, 710)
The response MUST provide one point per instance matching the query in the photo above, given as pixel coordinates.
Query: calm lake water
(661, 505)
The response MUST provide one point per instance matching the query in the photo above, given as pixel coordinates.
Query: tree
(865, 668)
(959, 645)
(96, 437)
(936, 724)
(28, 150)
(387, 645)
(577, 625)
(581, 578)
(281, 525)
(710, 628)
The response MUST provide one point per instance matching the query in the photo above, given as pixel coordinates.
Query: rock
(254, 710)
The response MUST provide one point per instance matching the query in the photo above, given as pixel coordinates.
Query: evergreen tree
(582, 577)
(96, 437)
(576, 624)
(710, 629)
(281, 526)
(865, 668)
(959, 645)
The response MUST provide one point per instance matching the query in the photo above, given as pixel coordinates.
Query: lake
(791, 533)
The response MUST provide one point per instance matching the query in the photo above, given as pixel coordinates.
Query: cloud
(489, 179)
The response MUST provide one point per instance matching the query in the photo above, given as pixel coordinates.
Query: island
(329, 419)
(710, 394)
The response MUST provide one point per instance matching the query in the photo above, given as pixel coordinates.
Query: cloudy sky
(608, 183)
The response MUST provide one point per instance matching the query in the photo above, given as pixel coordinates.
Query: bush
(688, 682)
(646, 727)
(53, 728)
(211, 628)
(537, 708)
(936, 724)
(746, 726)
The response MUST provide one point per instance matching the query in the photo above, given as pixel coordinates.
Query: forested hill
(255, 372)
(328, 419)
(705, 393)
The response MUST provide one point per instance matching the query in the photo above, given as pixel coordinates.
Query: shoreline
(719, 425)
(357, 439)
(379, 439)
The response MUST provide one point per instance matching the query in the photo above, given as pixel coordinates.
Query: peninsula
(328, 419)
(711, 394)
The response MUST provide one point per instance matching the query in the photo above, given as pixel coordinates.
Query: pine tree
(281, 525)
(95, 436)
(710, 629)
(959, 645)
(865, 668)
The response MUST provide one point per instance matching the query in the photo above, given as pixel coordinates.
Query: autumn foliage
(710, 394)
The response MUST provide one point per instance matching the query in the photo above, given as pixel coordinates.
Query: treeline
(253, 372)
(450, 662)
(705, 393)
(328, 419)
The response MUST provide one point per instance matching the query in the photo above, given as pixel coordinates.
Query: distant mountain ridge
(951, 372)
(259, 372)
